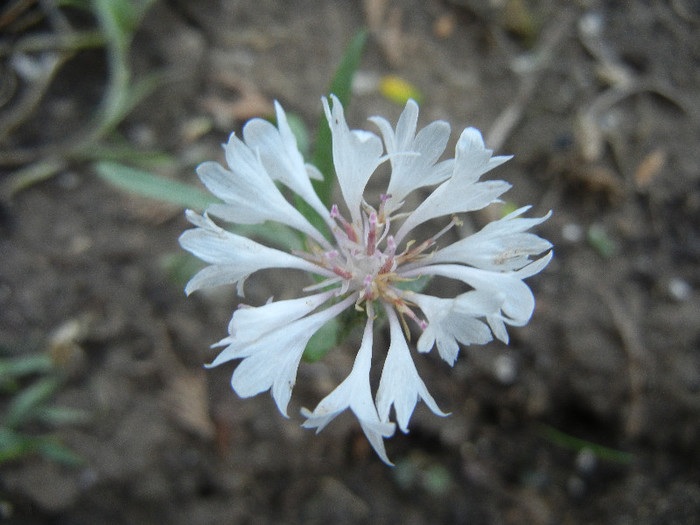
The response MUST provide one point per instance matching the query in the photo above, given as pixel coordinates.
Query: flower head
(372, 254)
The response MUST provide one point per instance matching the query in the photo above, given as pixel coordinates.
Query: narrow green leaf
(323, 156)
(79, 4)
(25, 404)
(34, 173)
(301, 133)
(153, 187)
(180, 267)
(274, 233)
(322, 341)
(415, 285)
(22, 366)
(145, 159)
(141, 89)
(118, 20)
(13, 445)
(576, 444)
(58, 416)
(341, 88)
(56, 451)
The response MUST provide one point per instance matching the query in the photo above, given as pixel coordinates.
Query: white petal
(249, 193)
(412, 171)
(406, 126)
(356, 154)
(271, 361)
(248, 324)
(453, 321)
(519, 302)
(472, 158)
(271, 368)
(233, 257)
(400, 384)
(278, 152)
(245, 183)
(500, 245)
(461, 192)
(431, 141)
(355, 393)
(498, 327)
(535, 267)
(453, 196)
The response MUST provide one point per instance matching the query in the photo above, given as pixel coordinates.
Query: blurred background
(590, 415)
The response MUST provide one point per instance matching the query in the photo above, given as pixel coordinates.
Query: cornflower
(365, 261)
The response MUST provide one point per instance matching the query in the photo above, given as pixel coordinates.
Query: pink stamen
(369, 293)
(340, 272)
(390, 252)
(383, 198)
(404, 309)
(330, 255)
(372, 234)
(349, 230)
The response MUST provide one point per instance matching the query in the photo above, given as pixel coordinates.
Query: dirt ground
(599, 103)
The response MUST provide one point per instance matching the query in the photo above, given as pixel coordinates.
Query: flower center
(359, 260)
(365, 259)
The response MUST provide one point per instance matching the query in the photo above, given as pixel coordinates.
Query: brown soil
(611, 355)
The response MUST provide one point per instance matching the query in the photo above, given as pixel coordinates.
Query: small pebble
(586, 461)
(679, 289)
(572, 232)
(505, 369)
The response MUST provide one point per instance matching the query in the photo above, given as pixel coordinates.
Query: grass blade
(341, 88)
(154, 187)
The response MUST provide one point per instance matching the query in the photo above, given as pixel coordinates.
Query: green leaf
(34, 173)
(180, 267)
(58, 416)
(341, 88)
(415, 285)
(576, 444)
(25, 404)
(118, 20)
(13, 445)
(55, 451)
(322, 341)
(22, 366)
(145, 159)
(323, 155)
(275, 233)
(601, 242)
(154, 187)
(301, 133)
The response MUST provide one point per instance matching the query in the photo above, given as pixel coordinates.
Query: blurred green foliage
(117, 22)
(27, 386)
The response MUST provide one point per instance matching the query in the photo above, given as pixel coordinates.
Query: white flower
(367, 262)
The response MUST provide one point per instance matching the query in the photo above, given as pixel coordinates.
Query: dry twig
(638, 361)
(509, 118)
